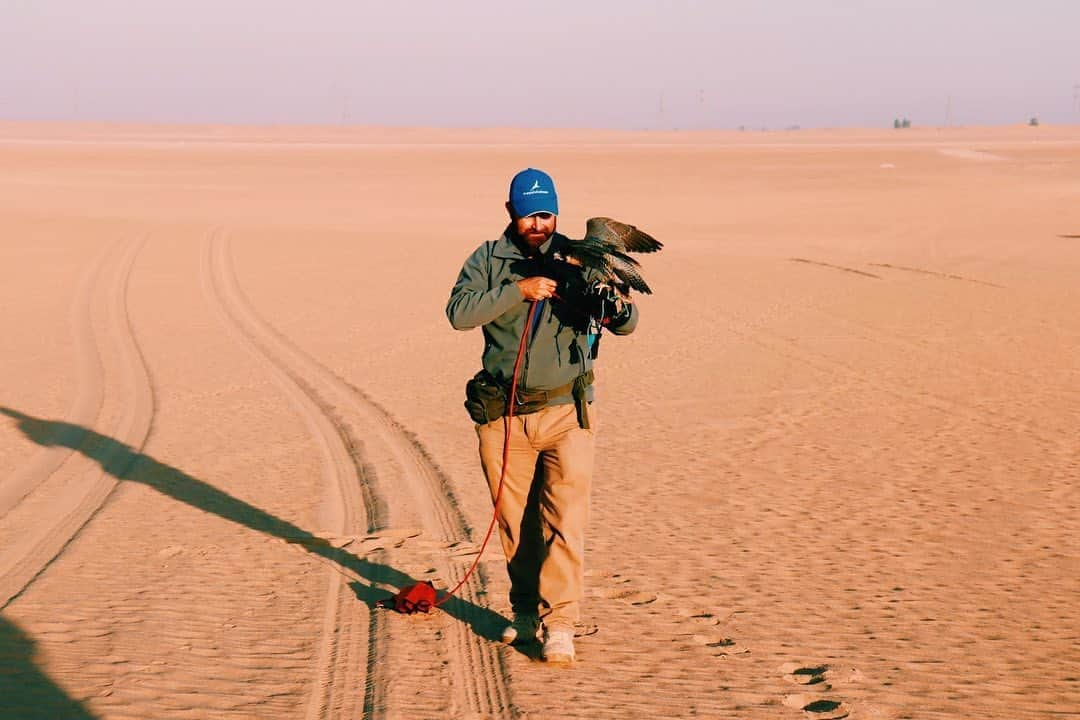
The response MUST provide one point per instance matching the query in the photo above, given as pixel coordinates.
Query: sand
(838, 460)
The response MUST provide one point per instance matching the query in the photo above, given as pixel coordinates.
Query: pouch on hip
(485, 398)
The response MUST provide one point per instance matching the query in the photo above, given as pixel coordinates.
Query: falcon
(604, 248)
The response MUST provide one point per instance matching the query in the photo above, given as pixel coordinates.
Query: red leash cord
(505, 453)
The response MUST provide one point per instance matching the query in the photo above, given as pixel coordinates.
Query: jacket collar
(507, 249)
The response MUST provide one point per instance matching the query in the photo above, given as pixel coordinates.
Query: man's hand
(537, 288)
(607, 304)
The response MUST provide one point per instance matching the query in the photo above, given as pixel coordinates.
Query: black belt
(532, 400)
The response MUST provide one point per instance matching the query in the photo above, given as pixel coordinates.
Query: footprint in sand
(612, 586)
(606, 578)
(709, 616)
(818, 708)
(627, 595)
(814, 679)
(716, 639)
(720, 645)
(582, 629)
(814, 676)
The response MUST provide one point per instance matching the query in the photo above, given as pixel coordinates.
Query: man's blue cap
(532, 191)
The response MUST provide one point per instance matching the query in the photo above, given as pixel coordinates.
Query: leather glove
(606, 304)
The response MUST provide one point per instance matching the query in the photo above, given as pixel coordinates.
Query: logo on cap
(535, 189)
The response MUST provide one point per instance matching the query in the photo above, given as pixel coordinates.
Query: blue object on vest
(536, 318)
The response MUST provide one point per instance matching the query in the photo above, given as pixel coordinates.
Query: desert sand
(838, 460)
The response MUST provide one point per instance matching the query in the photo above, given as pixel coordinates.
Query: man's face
(535, 229)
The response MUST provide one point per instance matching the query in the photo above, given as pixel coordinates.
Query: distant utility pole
(701, 108)
(346, 110)
(1076, 98)
(948, 110)
(661, 111)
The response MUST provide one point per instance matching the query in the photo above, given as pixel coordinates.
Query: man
(551, 446)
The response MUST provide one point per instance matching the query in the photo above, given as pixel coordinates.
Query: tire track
(89, 392)
(480, 684)
(103, 293)
(340, 676)
(836, 267)
(948, 276)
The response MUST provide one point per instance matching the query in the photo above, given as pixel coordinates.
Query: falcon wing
(627, 237)
(626, 269)
(592, 252)
(606, 256)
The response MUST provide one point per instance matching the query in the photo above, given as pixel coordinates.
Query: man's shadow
(124, 463)
(26, 692)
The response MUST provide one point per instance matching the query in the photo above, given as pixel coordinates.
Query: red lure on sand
(415, 598)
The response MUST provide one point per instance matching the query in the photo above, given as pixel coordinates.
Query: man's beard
(531, 240)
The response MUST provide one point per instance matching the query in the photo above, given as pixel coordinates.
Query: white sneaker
(559, 645)
(523, 629)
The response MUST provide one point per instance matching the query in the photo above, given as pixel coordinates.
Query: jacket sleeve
(472, 303)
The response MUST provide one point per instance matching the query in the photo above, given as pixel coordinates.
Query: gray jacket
(486, 294)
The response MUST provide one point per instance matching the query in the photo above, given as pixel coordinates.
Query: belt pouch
(485, 399)
(581, 400)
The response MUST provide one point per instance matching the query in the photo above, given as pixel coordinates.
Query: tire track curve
(89, 392)
(341, 676)
(480, 685)
(102, 295)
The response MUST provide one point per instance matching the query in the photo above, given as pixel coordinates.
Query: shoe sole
(515, 639)
(559, 659)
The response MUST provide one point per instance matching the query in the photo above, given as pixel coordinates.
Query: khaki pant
(544, 507)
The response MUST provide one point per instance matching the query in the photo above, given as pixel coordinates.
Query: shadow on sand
(124, 463)
(26, 692)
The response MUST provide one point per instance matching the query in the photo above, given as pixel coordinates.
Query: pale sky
(542, 63)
